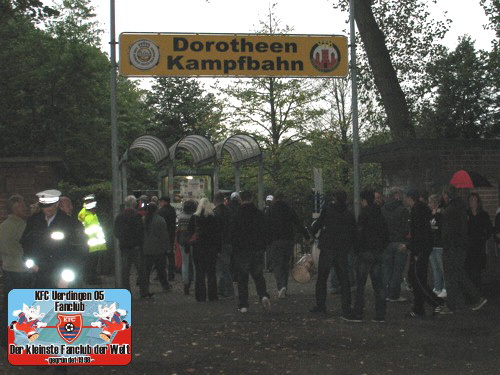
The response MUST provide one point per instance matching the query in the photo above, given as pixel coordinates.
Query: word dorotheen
(181, 44)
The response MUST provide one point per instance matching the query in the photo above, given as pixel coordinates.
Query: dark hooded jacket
(454, 226)
(420, 229)
(397, 217)
(373, 235)
(248, 229)
(338, 228)
(282, 221)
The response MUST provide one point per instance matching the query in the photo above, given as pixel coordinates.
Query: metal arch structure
(150, 143)
(243, 149)
(202, 150)
(200, 147)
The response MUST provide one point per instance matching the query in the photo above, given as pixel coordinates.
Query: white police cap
(90, 197)
(89, 202)
(48, 197)
(269, 198)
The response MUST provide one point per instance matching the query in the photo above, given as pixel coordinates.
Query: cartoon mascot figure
(110, 321)
(28, 321)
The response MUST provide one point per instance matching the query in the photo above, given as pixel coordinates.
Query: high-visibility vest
(93, 230)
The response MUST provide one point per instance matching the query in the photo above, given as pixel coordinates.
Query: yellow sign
(254, 55)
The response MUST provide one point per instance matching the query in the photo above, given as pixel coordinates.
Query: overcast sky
(237, 16)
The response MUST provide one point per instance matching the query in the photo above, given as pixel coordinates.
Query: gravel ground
(174, 334)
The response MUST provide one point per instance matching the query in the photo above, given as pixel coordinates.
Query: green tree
(54, 99)
(182, 106)
(492, 10)
(35, 10)
(398, 38)
(278, 112)
(462, 101)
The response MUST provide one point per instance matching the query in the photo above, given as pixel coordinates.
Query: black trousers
(339, 261)
(159, 261)
(205, 277)
(418, 279)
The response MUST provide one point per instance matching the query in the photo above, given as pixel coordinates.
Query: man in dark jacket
(129, 231)
(282, 221)
(396, 253)
(167, 212)
(337, 239)
(53, 242)
(454, 235)
(420, 249)
(224, 216)
(373, 237)
(248, 238)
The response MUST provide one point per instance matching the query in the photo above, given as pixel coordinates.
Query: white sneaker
(282, 293)
(243, 310)
(443, 294)
(266, 303)
(480, 304)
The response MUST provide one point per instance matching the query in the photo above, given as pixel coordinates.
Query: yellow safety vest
(93, 230)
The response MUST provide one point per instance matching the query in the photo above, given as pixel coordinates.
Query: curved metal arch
(200, 147)
(242, 148)
(152, 144)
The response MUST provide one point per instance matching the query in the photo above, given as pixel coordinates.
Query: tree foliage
(399, 39)
(55, 96)
(33, 10)
(182, 106)
(278, 112)
(461, 104)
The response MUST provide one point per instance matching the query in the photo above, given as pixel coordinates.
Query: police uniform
(95, 236)
(53, 244)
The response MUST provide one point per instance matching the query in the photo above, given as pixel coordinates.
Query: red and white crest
(69, 327)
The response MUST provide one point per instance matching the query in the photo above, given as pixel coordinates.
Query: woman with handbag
(204, 238)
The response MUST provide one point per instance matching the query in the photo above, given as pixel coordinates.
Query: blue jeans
(369, 264)
(187, 266)
(436, 260)
(393, 265)
(224, 267)
(250, 263)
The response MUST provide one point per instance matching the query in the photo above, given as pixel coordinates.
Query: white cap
(269, 198)
(90, 197)
(48, 197)
(235, 195)
(89, 202)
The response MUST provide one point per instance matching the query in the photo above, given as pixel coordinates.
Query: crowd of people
(221, 244)
(394, 240)
(217, 247)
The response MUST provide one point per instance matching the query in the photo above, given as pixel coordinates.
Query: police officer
(53, 246)
(96, 240)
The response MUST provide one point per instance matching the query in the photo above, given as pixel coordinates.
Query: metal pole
(115, 173)
(354, 109)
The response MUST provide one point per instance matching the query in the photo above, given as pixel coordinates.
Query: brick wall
(27, 176)
(430, 164)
